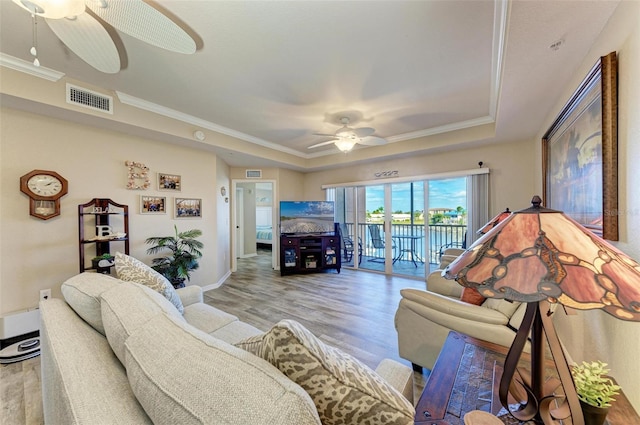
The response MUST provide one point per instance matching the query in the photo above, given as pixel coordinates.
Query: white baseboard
(218, 283)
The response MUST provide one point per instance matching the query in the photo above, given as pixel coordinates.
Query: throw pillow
(472, 296)
(132, 270)
(344, 390)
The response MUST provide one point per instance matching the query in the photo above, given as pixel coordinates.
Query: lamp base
(536, 398)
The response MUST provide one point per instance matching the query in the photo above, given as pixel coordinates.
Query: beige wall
(511, 180)
(592, 335)
(39, 254)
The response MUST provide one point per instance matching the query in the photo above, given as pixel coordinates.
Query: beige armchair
(424, 318)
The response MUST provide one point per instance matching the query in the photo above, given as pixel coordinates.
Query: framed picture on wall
(169, 182)
(580, 153)
(153, 204)
(188, 208)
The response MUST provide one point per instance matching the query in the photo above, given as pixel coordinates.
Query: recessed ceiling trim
(500, 21)
(190, 119)
(442, 129)
(17, 64)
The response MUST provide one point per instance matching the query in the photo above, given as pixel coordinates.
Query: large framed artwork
(580, 153)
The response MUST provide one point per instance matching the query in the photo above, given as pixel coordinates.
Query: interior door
(239, 230)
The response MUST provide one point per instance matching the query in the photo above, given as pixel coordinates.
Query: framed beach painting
(580, 153)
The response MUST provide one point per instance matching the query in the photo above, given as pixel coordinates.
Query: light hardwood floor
(351, 310)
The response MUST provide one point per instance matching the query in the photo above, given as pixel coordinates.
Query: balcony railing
(441, 236)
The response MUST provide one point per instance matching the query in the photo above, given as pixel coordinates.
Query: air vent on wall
(89, 99)
(254, 174)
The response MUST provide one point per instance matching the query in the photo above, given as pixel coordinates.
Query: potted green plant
(595, 390)
(103, 262)
(183, 251)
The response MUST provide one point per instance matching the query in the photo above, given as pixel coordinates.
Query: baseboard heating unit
(19, 335)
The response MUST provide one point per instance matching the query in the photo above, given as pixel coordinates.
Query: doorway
(253, 220)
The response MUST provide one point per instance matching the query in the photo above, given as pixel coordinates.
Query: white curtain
(477, 205)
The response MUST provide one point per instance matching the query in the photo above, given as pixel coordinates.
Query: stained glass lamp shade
(541, 257)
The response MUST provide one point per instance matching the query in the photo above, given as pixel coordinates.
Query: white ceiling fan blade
(139, 20)
(372, 141)
(363, 131)
(324, 134)
(317, 145)
(88, 39)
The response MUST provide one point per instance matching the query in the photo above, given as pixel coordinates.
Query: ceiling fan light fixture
(345, 145)
(52, 9)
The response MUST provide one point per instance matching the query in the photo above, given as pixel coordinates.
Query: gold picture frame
(580, 153)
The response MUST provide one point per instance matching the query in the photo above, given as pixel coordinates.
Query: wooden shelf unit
(98, 213)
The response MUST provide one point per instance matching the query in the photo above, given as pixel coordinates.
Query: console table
(462, 380)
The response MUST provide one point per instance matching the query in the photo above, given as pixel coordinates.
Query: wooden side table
(462, 380)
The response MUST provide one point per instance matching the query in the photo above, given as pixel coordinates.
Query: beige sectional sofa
(116, 352)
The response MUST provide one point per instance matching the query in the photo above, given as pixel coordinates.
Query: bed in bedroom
(264, 229)
(264, 234)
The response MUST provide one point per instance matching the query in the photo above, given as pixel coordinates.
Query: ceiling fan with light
(347, 137)
(78, 24)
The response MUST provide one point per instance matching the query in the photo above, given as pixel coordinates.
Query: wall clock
(44, 189)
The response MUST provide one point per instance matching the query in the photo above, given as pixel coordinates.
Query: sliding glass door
(402, 228)
(407, 228)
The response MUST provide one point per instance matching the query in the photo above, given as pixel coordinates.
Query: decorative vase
(103, 265)
(593, 415)
(178, 282)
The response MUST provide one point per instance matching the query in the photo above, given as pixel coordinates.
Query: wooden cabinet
(103, 228)
(309, 253)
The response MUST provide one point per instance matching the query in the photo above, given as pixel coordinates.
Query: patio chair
(461, 246)
(347, 244)
(377, 242)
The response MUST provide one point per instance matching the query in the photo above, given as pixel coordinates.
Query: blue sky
(447, 193)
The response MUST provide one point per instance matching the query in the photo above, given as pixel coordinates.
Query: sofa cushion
(82, 292)
(82, 381)
(132, 270)
(236, 332)
(344, 390)
(207, 318)
(181, 375)
(471, 296)
(503, 306)
(128, 307)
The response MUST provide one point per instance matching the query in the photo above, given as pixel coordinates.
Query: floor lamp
(542, 257)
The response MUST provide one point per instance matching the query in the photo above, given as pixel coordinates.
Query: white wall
(592, 335)
(39, 254)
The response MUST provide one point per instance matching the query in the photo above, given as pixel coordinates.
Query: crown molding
(190, 119)
(460, 125)
(17, 64)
